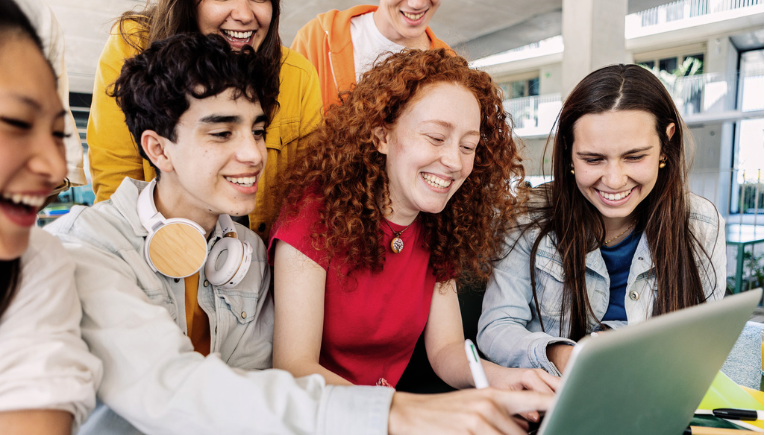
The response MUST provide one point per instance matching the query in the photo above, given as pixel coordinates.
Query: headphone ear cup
(228, 262)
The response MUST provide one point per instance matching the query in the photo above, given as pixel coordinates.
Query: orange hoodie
(326, 42)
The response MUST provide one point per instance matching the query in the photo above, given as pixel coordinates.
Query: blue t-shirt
(618, 259)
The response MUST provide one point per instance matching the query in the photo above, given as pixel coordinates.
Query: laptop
(647, 378)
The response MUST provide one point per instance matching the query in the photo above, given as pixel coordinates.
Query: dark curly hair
(154, 87)
(347, 173)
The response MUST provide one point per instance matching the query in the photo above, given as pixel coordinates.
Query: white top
(134, 320)
(44, 364)
(52, 38)
(368, 43)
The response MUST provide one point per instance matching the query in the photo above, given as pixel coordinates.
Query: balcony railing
(534, 116)
(679, 11)
(715, 93)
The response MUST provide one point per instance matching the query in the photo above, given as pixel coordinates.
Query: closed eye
(221, 134)
(635, 158)
(435, 139)
(593, 160)
(16, 123)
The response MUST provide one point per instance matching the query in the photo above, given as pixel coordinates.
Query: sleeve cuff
(355, 410)
(540, 352)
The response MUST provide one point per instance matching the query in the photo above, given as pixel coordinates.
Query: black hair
(154, 87)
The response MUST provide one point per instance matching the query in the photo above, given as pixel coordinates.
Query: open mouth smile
(618, 196)
(414, 16)
(242, 181)
(436, 181)
(21, 208)
(234, 36)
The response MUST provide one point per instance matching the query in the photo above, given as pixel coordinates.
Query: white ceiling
(86, 24)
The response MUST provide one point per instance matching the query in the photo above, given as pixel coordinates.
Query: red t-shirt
(372, 320)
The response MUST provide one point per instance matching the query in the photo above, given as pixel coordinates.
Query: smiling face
(404, 21)
(31, 140)
(616, 158)
(214, 166)
(430, 149)
(241, 22)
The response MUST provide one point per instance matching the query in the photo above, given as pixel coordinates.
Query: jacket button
(634, 295)
(640, 258)
(262, 227)
(244, 314)
(206, 283)
(177, 279)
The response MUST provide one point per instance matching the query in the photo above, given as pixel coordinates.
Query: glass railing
(673, 14)
(715, 93)
(534, 116)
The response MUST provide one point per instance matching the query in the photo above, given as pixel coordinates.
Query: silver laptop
(648, 378)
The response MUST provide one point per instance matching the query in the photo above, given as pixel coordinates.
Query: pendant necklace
(397, 245)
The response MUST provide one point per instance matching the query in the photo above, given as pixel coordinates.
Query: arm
(503, 333)
(716, 250)
(151, 373)
(36, 422)
(445, 344)
(45, 367)
(112, 153)
(299, 313)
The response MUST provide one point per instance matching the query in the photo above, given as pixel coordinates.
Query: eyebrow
(632, 151)
(260, 118)
(450, 126)
(221, 119)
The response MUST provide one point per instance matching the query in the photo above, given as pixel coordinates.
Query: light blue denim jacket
(134, 320)
(509, 330)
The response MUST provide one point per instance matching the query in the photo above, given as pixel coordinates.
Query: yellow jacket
(113, 153)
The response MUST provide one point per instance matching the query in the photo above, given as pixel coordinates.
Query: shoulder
(294, 65)
(704, 219)
(126, 39)
(44, 249)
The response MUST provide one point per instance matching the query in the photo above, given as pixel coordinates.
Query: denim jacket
(509, 330)
(154, 382)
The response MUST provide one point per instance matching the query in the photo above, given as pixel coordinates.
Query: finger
(495, 416)
(552, 381)
(516, 402)
(530, 416)
(532, 380)
(522, 422)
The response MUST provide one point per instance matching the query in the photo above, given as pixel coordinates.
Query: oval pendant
(396, 245)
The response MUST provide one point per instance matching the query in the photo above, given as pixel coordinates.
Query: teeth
(436, 181)
(34, 201)
(238, 35)
(616, 196)
(243, 181)
(413, 17)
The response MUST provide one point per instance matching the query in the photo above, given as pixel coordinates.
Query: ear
(155, 148)
(380, 136)
(670, 130)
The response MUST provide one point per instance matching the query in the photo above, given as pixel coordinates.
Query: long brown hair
(578, 227)
(347, 173)
(171, 17)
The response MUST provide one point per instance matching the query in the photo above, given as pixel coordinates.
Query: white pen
(476, 368)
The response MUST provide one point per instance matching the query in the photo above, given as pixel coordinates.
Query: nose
(252, 151)
(451, 158)
(615, 176)
(241, 11)
(418, 4)
(48, 159)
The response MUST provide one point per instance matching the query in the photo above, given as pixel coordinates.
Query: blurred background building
(708, 53)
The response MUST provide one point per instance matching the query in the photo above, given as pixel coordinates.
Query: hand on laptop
(521, 379)
(486, 411)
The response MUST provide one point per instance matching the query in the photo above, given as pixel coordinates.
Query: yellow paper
(724, 393)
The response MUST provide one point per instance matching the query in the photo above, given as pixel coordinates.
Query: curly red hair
(344, 170)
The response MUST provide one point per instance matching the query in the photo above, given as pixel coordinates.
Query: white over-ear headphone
(177, 247)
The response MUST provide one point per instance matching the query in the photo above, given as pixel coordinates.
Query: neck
(616, 228)
(173, 205)
(383, 25)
